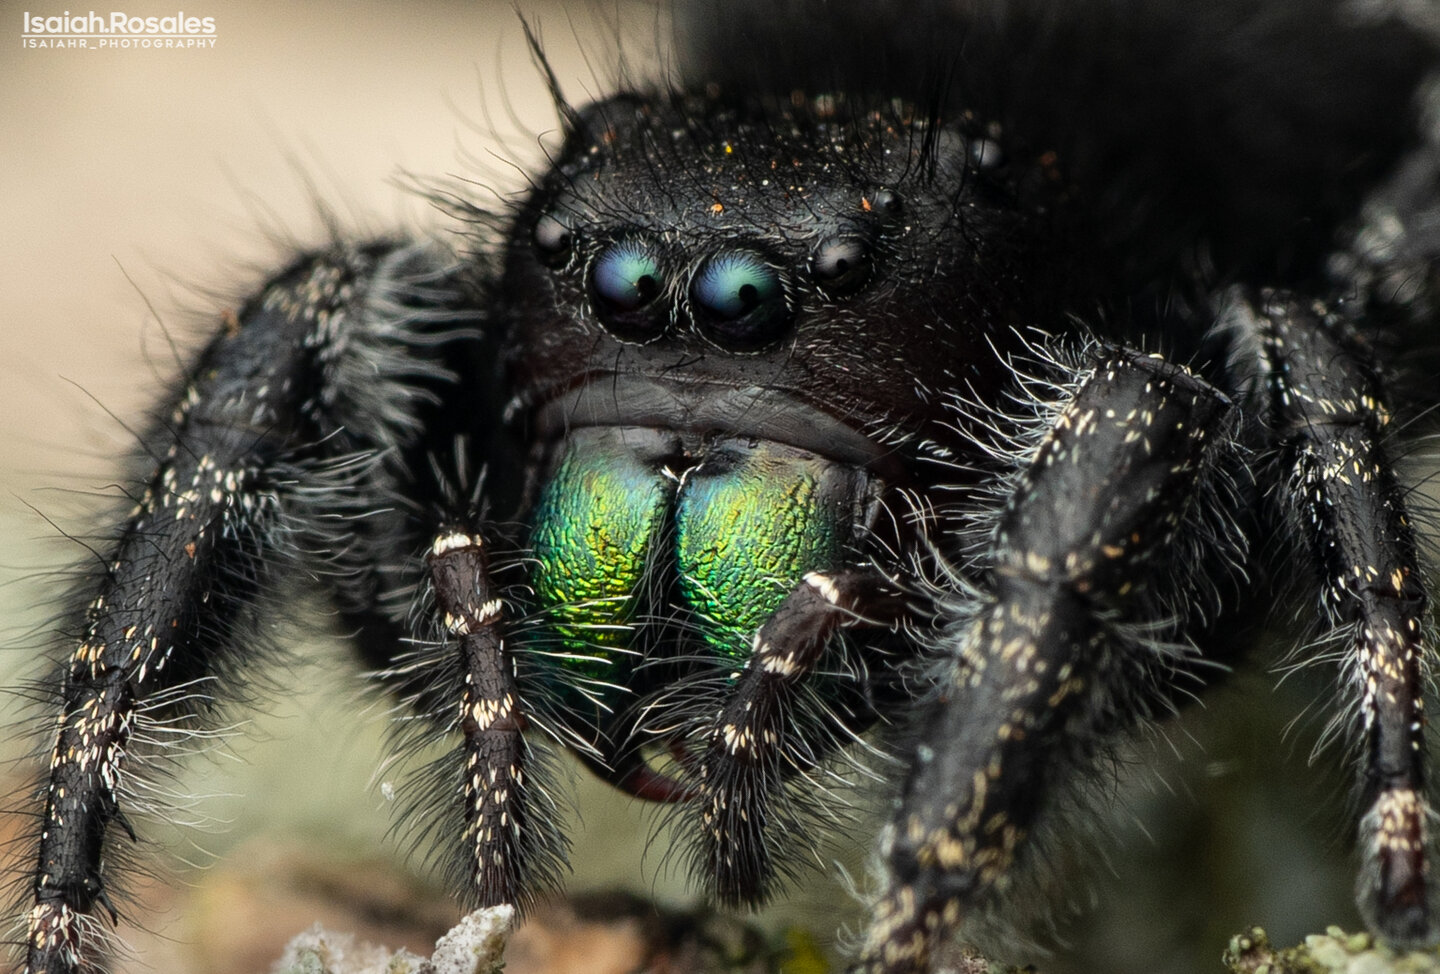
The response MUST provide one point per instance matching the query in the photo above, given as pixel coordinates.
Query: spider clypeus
(934, 390)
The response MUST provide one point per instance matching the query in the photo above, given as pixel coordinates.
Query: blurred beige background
(164, 166)
(134, 184)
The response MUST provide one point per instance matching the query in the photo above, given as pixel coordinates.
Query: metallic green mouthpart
(596, 527)
(618, 529)
(750, 522)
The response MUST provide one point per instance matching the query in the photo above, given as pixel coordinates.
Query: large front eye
(739, 301)
(625, 280)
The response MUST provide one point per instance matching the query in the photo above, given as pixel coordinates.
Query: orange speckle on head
(865, 204)
(717, 208)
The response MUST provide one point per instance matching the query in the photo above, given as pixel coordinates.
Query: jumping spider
(946, 390)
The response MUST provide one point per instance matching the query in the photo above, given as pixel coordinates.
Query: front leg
(754, 748)
(289, 411)
(1067, 646)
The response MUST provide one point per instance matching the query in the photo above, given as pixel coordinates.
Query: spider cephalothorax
(815, 417)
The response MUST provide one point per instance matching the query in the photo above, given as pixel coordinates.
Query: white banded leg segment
(753, 746)
(279, 424)
(1083, 551)
(493, 786)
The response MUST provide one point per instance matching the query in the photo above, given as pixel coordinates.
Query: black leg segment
(254, 462)
(755, 745)
(1344, 506)
(1059, 650)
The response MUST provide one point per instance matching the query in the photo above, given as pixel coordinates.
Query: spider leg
(508, 842)
(753, 746)
(1060, 650)
(1344, 504)
(258, 455)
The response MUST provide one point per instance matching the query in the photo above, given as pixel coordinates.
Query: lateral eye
(886, 202)
(554, 241)
(841, 264)
(625, 279)
(739, 301)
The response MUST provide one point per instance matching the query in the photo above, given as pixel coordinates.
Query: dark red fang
(644, 782)
(1402, 880)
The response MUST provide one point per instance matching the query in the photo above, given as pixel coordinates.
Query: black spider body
(856, 394)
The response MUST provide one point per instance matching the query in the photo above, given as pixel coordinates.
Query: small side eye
(739, 301)
(986, 154)
(841, 265)
(553, 241)
(887, 203)
(624, 280)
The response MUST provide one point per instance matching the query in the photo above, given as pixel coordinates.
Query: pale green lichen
(1333, 952)
(476, 945)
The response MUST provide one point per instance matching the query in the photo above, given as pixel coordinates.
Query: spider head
(769, 245)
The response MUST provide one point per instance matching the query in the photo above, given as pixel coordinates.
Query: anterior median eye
(739, 301)
(625, 280)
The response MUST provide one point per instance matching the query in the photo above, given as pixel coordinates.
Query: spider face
(815, 424)
(727, 381)
(689, 475)
(861, 246)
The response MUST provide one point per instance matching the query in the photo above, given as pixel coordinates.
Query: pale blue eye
(732, 285)
(625, 280)
(739, 300)
(627, 276)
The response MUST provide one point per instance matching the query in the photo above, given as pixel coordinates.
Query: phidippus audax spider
(914, 397)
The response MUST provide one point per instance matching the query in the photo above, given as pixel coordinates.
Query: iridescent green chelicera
(595, 530)
(626, 516)
(750, 522)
